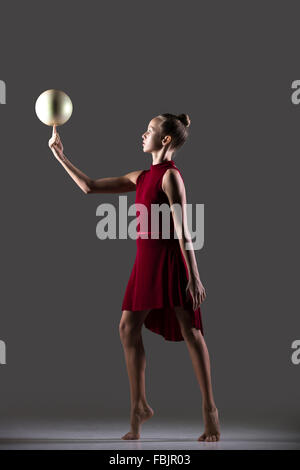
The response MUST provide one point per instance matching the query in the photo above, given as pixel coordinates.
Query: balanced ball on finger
(53, 107)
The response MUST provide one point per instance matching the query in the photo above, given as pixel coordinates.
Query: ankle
(209, 408)
(139, 406)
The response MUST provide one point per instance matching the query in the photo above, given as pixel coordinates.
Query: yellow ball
(53, 107)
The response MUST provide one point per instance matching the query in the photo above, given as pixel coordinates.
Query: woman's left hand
(197, 291)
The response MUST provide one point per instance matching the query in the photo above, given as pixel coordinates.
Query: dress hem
(165, 338)
(198, 325)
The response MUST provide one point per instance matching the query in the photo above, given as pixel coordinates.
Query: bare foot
(212, 427)
(137, 417)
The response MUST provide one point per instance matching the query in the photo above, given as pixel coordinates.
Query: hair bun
(185, 119)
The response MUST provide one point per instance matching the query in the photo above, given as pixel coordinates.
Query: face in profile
(152, 138)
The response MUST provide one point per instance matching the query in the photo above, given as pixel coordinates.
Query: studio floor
(97, 435)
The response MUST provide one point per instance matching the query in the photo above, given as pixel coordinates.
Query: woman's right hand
(55, 144)
(197, 291)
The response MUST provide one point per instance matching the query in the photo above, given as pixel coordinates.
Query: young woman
(164, 290)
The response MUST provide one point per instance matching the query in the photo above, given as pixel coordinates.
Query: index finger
(54, 130)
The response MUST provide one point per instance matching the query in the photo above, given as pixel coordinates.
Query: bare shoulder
(172, 181)
(133, 175)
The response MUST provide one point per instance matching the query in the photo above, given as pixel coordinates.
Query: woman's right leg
(130, 329)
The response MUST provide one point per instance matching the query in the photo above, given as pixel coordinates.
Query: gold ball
(53, 107)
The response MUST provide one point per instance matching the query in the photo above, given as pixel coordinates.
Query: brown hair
(176, 127)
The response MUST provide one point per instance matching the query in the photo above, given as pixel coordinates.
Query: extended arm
(114, 184)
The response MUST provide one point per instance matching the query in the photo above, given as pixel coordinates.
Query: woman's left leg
(201, 363)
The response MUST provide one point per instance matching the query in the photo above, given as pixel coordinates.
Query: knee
(128, 331)
(190, 333)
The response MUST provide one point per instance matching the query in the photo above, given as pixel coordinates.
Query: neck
(163, 163)
(157, 162)
(162, 155)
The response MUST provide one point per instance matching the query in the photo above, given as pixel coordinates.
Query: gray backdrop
(229, 65)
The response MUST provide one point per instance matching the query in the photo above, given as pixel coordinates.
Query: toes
(129, 437)
(209, 438)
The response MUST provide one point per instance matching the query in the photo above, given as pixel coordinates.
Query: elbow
(182, 231)
(88, 188)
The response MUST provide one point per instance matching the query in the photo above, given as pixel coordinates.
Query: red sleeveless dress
(159, 275)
